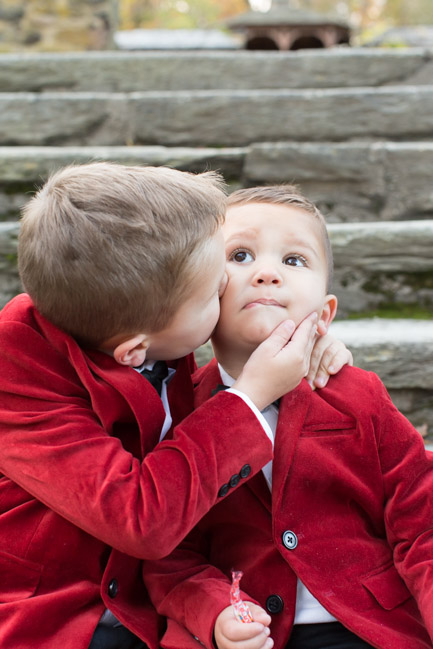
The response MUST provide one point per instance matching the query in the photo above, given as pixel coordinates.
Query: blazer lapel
(205, 380)
(180, 392)
(130, 392)
(292, 413)
(258, 485)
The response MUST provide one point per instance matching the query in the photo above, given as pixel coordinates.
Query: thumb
(259, 614)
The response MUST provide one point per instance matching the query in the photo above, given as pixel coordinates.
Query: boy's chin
(256, 334)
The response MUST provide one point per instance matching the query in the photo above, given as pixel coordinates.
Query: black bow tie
(156, 375)
(220, 387)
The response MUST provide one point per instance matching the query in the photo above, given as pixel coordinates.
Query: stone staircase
(354, 128)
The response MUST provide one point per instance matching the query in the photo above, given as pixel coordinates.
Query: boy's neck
(233, 363)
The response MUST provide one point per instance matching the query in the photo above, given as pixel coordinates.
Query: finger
(280, 336)
(332, 364)
(259, 614)
(236, 631)
(328, 365)
(342, 356)
(321, 363)
(306, 330)
(322, 343)
(303, 339)
(259, 641)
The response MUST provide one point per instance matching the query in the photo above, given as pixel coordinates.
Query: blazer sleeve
(407, 470)
(55, 448)
(185, 588)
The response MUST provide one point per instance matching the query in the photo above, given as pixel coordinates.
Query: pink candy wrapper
(242, 612)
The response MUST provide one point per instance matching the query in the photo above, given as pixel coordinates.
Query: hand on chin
(258, 329)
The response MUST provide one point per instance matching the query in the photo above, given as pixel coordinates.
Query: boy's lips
(263, 301)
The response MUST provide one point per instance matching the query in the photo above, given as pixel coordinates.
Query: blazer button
(290, 540)
(113, 588)
(274, 604)
(234, 480)
(223, 491)
(245, 471)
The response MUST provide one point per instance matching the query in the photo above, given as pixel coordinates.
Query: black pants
(327, 635)
(115, 637)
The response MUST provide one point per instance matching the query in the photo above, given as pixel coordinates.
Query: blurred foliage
(178, 14)
(367, 16)
(371, 17)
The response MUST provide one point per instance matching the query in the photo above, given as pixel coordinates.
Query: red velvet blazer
(351, 515)
(79, 508)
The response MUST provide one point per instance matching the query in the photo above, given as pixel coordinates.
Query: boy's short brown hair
(106, 249)
(286, 195)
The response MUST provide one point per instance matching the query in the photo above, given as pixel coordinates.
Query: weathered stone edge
(126, 71)
(216, 117)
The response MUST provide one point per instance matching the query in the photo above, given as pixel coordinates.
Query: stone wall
(352, 127)
(55, 25)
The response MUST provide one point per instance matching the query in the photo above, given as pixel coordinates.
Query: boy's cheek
(223, 285)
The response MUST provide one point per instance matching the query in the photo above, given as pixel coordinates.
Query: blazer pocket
(18, 578)
(387, 587)
(329, 429)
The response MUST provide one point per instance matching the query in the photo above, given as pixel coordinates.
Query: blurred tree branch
(364, 14)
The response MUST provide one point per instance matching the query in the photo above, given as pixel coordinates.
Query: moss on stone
(377, 283)
(395, 310)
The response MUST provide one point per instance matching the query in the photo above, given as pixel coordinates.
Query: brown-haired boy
(335, 536)
(123, 267)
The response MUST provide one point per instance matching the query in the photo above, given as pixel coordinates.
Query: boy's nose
(267, 275)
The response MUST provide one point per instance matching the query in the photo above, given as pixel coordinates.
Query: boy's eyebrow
(251, 233)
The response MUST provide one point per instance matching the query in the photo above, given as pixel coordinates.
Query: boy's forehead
(281, 226)
(249, 219)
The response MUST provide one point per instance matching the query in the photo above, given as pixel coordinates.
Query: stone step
(129, 71)
(22, 169)
(9, 281)
(216, 117)
(399, 351)
(31, 164)
(378, 266)
(350, 181)
(383, 266)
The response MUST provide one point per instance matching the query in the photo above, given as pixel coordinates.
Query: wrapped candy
(242, 612)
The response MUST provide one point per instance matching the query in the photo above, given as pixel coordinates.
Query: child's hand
(278, 365)
(232, 634)
(328, 357)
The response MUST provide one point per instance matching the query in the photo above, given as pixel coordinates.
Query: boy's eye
(241, 256)
(295, 260)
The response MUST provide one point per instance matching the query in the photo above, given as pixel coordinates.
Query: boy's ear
(328, 314)
(132, 352)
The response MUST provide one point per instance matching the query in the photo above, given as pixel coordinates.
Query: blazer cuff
(256, 411)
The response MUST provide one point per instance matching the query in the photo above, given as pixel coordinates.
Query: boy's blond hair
(106, 249)
(287, 195)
